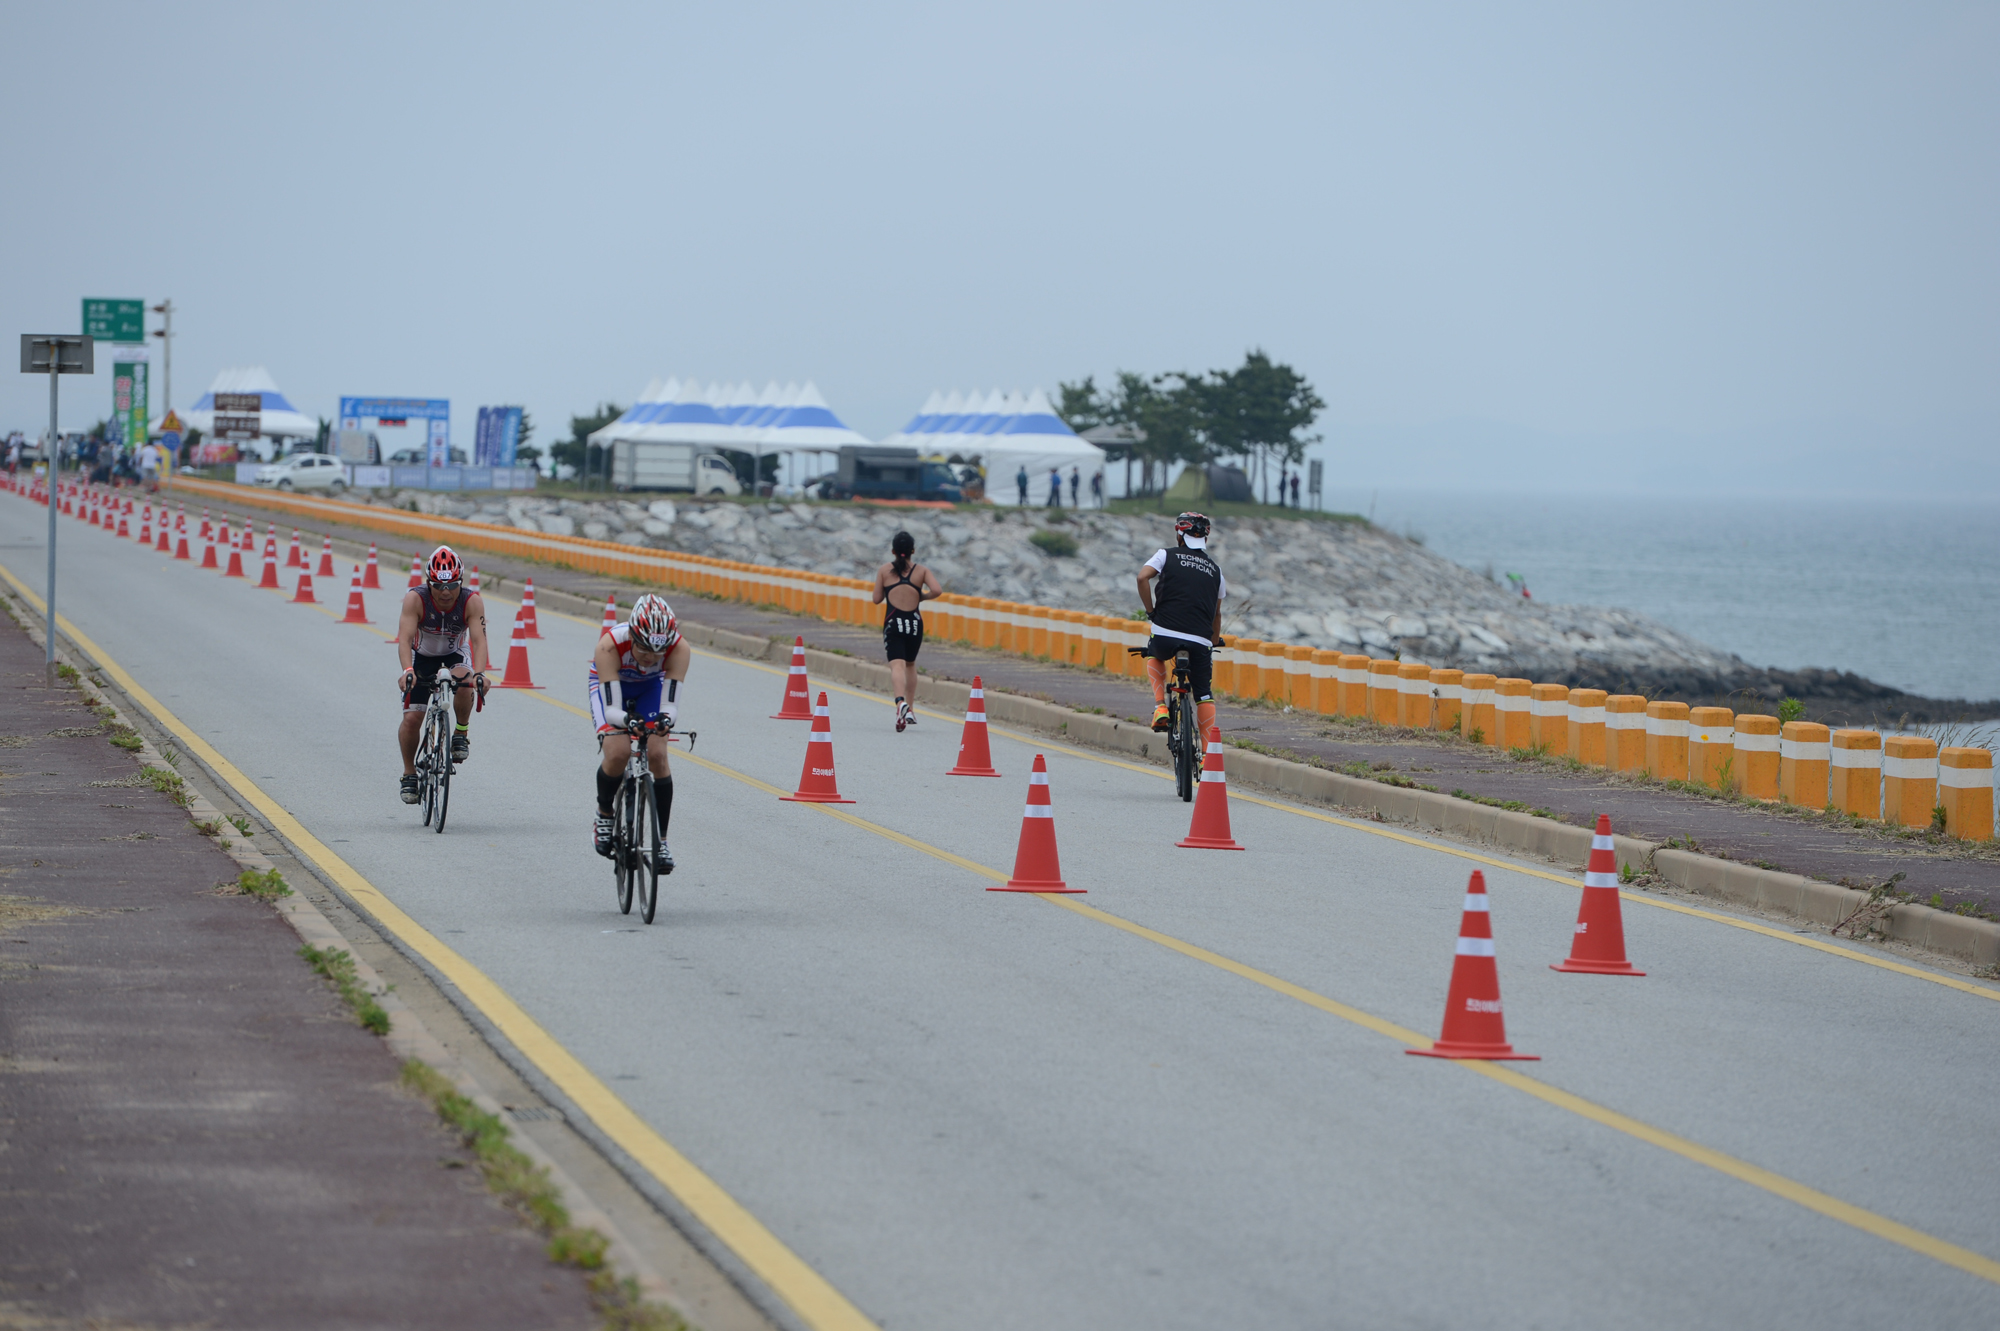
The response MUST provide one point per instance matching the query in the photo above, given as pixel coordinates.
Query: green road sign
(114, 320)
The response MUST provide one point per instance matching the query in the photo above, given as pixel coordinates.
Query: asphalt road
(970, 1109)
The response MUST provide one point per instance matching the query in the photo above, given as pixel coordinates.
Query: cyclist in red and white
(443, 628)
(648, 659)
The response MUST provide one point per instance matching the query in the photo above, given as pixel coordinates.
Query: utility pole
(165, 309)
(54, 354)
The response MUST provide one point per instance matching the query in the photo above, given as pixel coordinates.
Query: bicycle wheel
(427, 767)
(443, 774)
(645, 844)
(1186, 759)
(621, 846)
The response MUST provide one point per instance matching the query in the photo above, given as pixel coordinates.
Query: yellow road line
(1776, 1184)
(808, 1293)
(1048, 745)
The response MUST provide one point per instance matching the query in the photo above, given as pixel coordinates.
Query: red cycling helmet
(1192, 528)
(654, 626)
(444, 569)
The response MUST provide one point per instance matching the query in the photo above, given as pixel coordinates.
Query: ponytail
(903, 546)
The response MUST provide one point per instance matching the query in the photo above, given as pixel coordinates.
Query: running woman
(896, 582)
(443, 627)
(1182, 590)
(648, 658)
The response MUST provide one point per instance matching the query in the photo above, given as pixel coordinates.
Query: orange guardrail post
(1351, 674)
(1413, 695)
(1856, 772)
(1326, 682)
(1712, 747)
(1384, 700)
(1965, 788)
(1667, 740)
(1909, 780)
(1548, 718)
(1757, 755)
(1511, 714)
(1477, 720)
(1586, 727)
(1625, 732)
(1805, 755)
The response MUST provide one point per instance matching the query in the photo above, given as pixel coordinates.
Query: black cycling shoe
(408, 790)
(461, 747)
(663, 861)
(602, 834)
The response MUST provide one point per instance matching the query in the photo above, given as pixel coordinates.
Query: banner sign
(498, 434)
(128, 400)
(239, 415)
(115, 320)
(434, 411)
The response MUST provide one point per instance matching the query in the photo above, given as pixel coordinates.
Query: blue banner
(498, 434)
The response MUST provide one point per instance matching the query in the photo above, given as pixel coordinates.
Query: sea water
(1905, 592)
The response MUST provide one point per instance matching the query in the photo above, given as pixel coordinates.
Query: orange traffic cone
(1473, 1026)
(293, 558)
(180, 545)
(975, 757)
(208, 554)
(1210, 828)
(325, 569)
(305, 593)
(207, 528)
(416, 572)
(162, 546)
(357, 609)
(235, 569)
(371, 577)
(473, 586)
(517, 661)
(528, 624)
(798, 691)
(816, 783)
(146, 527)
(1036, 865)
(125, 526)
(610, 612)
(269, 582)
(1599, 946)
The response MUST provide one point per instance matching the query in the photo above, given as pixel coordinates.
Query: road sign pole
(55, 456)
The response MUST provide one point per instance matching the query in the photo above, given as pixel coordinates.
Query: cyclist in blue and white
(648, 658)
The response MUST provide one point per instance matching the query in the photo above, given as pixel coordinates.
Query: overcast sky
(1511, 244)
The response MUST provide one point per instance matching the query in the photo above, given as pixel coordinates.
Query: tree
(577, 450)
(1166, 410)
(1259, 409)
(1081, 406)
(324, 434)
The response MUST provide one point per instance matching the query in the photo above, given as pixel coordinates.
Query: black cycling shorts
(902, 635)
(427, 668)
(1201, 663)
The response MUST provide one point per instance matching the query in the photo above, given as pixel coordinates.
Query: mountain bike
(1183, 743)
(635, 833)
(434, 766)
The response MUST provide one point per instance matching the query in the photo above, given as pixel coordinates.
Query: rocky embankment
(1345, 586)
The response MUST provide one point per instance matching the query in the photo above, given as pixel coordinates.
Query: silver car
(305, 471)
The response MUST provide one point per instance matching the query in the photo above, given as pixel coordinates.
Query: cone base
(1208, 843)
(792, 716)
(503, 684)
(1596, 967)
(370, 586)
(800, 797)
(357, 619)
(530, 634)
(1054, 888)
(972, 771)
(1493, 1052)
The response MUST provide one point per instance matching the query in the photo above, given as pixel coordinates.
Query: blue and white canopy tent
(1005, 432)
(279, 418)
(737, 417)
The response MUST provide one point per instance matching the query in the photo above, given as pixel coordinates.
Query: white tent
(280, 419)
(735, 417)
(1007, 432)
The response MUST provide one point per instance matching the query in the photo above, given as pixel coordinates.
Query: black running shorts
(902, 635)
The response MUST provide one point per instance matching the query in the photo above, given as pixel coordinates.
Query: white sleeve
(1158, 563)
(1222, 587)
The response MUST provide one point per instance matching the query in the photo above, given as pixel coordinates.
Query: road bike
(635, 818)
(434, 765)
(1183, 743)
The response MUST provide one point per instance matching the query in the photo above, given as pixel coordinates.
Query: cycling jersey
(1186, 594)
(442, 632)
(645, 694)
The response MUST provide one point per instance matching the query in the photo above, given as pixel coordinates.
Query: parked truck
(646, 465)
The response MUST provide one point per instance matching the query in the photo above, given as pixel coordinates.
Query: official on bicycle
(443, 627)
(1182, 590)
(649, 659)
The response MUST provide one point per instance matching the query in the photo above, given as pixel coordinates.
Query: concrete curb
(1959, 936)
(408, 1037)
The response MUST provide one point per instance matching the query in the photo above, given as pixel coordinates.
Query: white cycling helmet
(653, 624)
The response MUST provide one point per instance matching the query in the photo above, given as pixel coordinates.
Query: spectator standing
(1295, 489)
(1055, 487)
(149, 466)
(1097, 489)
(1021, 483)
(1075, 482)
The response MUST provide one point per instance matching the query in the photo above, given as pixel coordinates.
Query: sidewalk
(193, 1129)
(1792, 842)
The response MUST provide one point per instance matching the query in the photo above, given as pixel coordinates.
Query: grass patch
(127, 739)
(1511, 806)
(1057, 544)
(524, 1186)
(240, 823)
(338, 969)
(67, 673)
(168, 784)
(265, 886)
(1532, 753)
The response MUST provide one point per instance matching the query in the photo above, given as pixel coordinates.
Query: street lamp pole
(165, 309)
